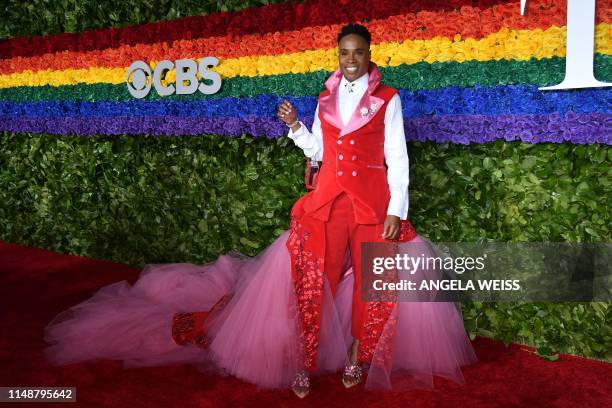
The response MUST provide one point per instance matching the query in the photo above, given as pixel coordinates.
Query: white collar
(359, 85)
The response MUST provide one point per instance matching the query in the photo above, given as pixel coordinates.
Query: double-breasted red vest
(353, 156)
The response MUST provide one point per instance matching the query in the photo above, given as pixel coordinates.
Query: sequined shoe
(352, 375)
(301, 384)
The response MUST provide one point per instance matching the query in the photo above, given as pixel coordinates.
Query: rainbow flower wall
(466, 74)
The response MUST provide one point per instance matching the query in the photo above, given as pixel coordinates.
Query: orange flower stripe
(468, 22)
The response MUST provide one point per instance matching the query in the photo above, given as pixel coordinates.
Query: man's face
(353, 56)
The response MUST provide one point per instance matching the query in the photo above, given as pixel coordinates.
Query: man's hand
(286, 112)
(391, 227)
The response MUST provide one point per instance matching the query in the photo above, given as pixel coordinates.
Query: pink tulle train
(255, 337)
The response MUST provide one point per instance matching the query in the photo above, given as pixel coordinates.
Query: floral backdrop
(88, 170)
(466, 73)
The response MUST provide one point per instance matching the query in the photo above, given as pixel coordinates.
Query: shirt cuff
(294, 135)
(398, 204)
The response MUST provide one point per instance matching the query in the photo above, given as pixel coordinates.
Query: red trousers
(342, 234)
(320, 249)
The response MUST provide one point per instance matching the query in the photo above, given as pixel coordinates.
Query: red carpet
(36, 284)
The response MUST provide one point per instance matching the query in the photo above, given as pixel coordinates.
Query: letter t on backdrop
(580, 46)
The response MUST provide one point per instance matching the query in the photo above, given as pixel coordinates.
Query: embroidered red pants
(317, 250)
(342, 234)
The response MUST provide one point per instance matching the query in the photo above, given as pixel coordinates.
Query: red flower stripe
(468, 22)
(267, 19)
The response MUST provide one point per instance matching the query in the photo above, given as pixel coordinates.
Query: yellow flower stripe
(505, 44)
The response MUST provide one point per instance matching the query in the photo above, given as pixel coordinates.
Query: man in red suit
(358, 129)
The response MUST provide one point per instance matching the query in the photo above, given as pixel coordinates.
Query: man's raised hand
(287, 113)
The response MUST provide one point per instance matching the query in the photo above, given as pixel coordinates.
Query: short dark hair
(355, 29)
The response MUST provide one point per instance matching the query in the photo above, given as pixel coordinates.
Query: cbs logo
(139, 78)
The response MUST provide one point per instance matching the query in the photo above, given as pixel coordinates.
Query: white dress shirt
(396, 154)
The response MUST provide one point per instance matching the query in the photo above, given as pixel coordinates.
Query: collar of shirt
(359, 86)
(348, 101)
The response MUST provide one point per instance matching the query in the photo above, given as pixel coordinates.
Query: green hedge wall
(142, 200)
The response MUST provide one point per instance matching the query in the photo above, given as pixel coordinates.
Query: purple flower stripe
(151, 125)
(584, 128)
